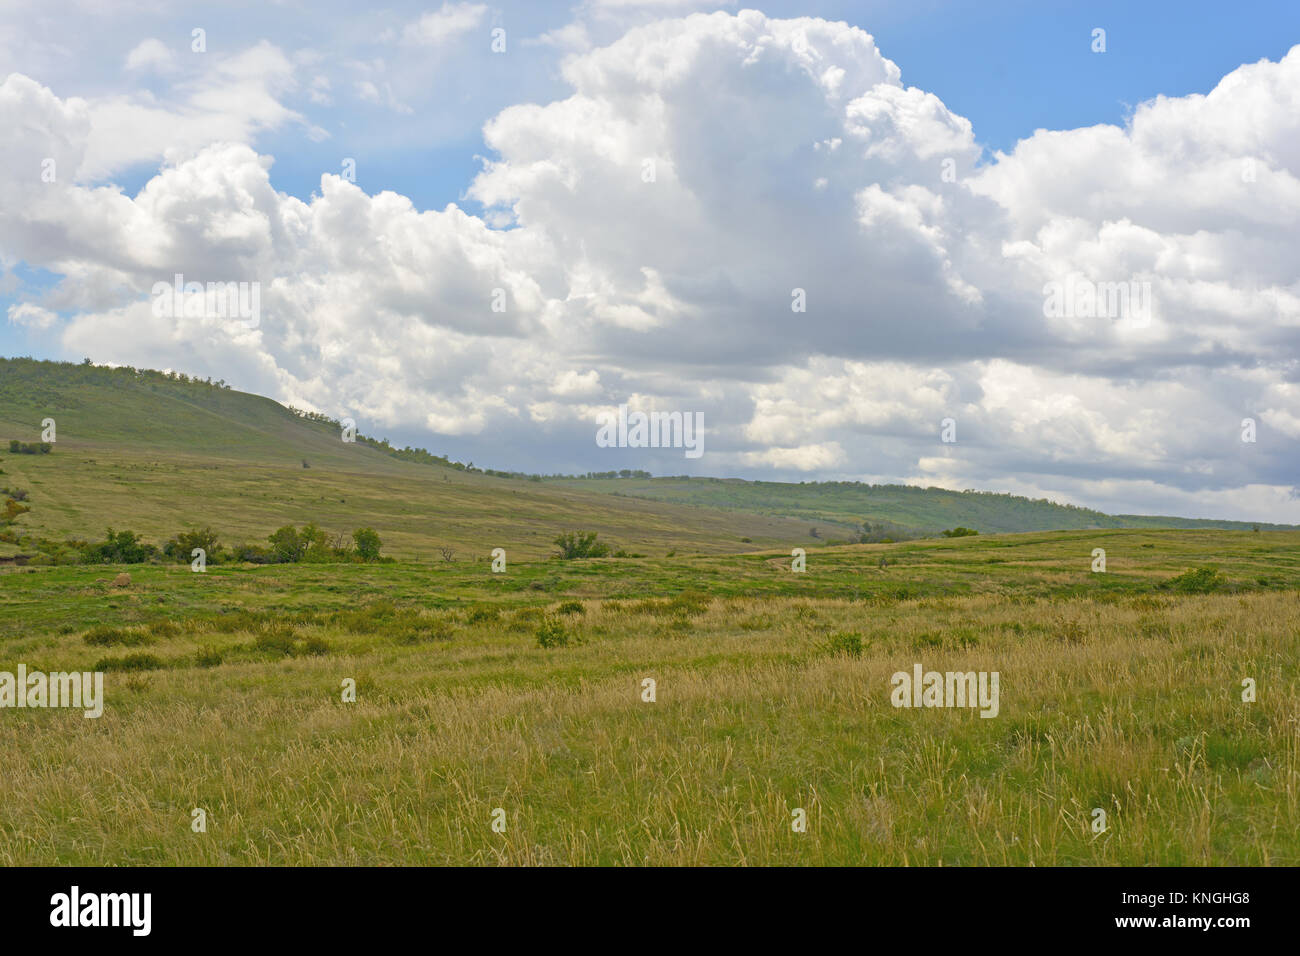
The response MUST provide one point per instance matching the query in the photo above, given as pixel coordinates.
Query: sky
(860, 239)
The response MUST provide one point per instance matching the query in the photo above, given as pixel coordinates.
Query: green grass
(524, 691)
(1119, 691)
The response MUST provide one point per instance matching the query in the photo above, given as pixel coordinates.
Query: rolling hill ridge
(157, 453)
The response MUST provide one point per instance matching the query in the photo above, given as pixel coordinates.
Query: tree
(181, 548)
(368, 543)
(119, 547)
(287, 544)
(315, 543)
(581, 544)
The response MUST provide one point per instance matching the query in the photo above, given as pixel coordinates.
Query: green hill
(157, 453)
(904, 509)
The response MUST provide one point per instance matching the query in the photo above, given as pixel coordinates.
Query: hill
(158, 453)
(893, 510)
(384, 713)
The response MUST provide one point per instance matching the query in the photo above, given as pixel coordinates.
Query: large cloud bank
(648, 239)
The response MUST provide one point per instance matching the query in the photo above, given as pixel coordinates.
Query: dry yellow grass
(1132, 705)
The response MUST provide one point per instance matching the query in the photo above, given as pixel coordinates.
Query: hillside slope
(846, 505)
(155, 454)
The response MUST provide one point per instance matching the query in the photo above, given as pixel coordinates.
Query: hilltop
(892, 510)
(157, 452)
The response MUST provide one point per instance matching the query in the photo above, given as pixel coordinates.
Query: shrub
(526, 616)
(881, 532)
(571, 607)
(690, 603)
(580, 544)
(318, 547)
(137, 684)
(368, 618)
(114, 636)
(423, 631)
(969, 637)
(368, 543)
(686, 604)
(252, 553)
(1198, 580)
(551, 633)
(288, 544)
(845, 644)
(208, 656)
(12, 510)
(119, 547)
(229, 620)
(483, 615)
(181, 548)
(959, 532)
(132, 662)
(164, 627)
(276, 639)
(316, 646)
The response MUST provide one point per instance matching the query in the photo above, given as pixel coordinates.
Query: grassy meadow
(1120, 691)
(501, 717)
